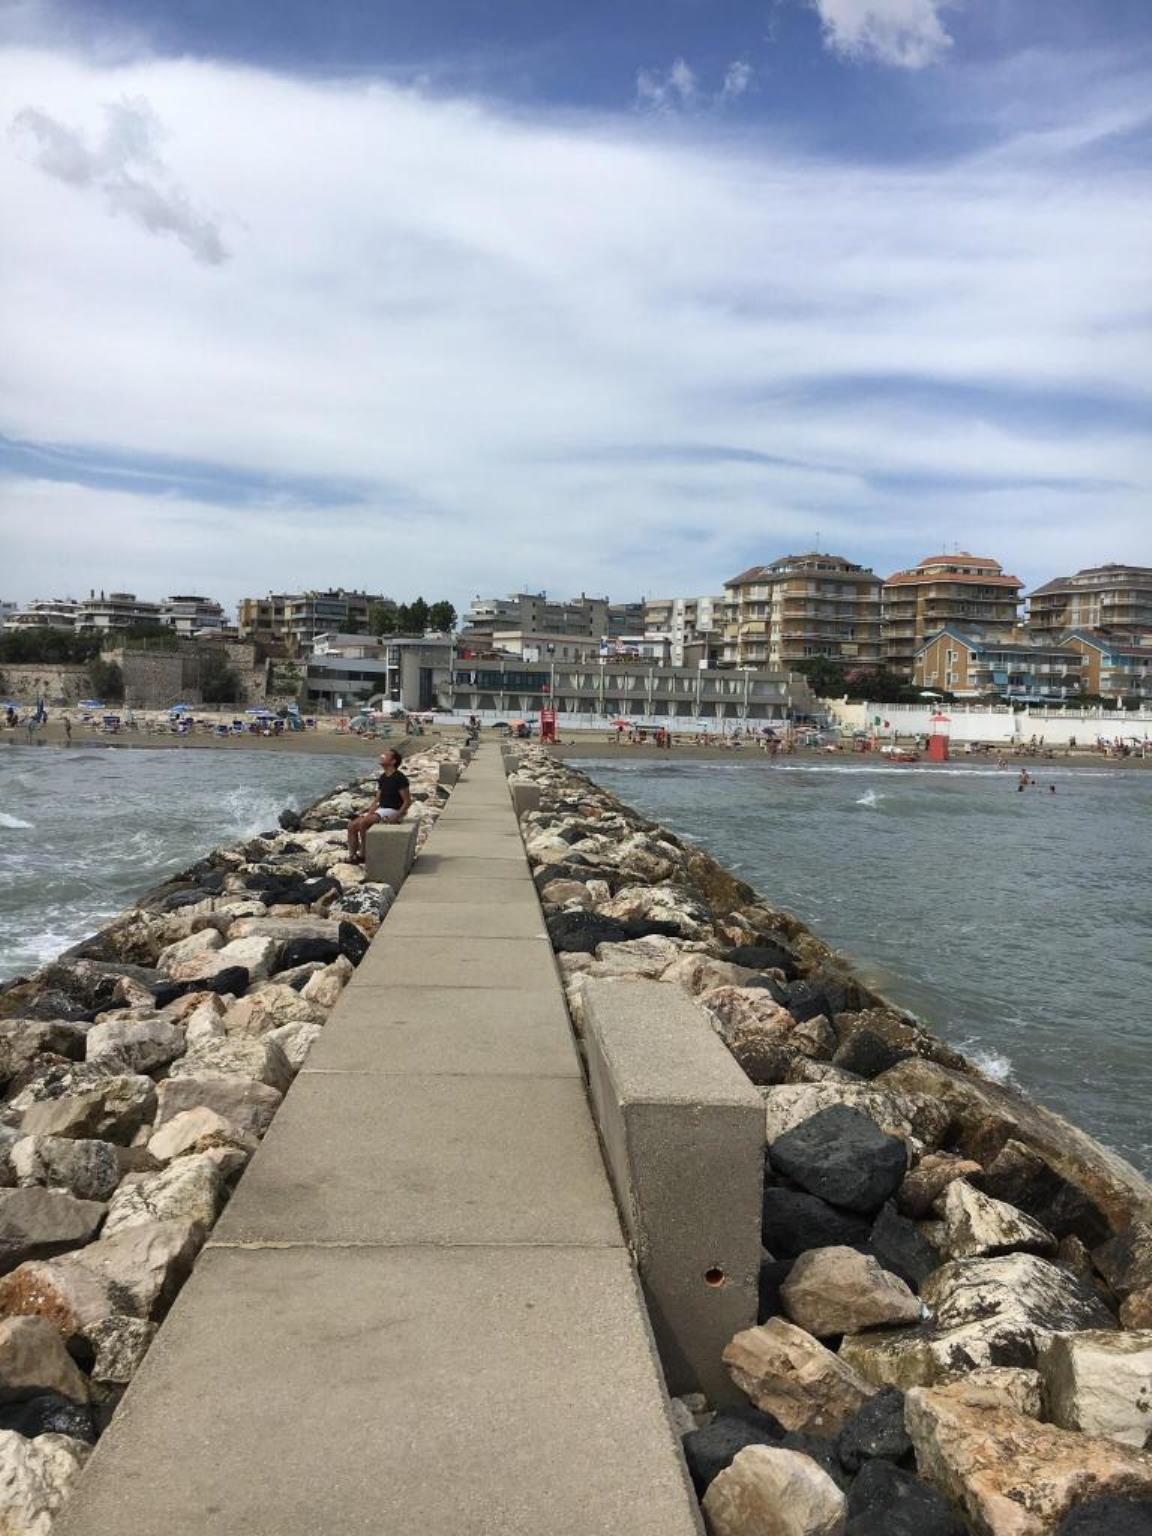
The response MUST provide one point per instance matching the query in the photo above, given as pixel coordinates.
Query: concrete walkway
(418, 1314)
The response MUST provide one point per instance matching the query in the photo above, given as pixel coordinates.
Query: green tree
(418, 616)
(48, 645)
(106, 681)
(382, 618)
(442, 616)
(147, 634)
(219, 684)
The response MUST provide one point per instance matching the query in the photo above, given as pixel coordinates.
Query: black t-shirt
(390, 786)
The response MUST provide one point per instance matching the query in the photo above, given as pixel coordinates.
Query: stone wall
(28, 681)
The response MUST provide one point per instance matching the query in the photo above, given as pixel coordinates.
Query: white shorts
(387, 815)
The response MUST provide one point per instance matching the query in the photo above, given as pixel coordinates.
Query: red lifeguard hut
(939, 738)
(547, 725)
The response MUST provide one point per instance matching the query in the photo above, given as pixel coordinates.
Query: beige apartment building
(944, 589)
(1107, 597)
(799, 607)
(296, 618)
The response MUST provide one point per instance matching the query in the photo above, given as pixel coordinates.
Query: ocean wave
(871, 799)
(993, 1063)
(14, 823)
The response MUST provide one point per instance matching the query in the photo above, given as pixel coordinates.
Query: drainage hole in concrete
(715, 1277)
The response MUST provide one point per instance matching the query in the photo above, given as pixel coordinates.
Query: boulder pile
(138, 1073)
(955, 1327)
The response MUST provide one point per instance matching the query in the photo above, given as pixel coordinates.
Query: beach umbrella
(91, 704)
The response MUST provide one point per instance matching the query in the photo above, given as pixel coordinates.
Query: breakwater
(141, 1070)
(955, 1301)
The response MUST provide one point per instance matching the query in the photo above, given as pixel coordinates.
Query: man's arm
(405, 802)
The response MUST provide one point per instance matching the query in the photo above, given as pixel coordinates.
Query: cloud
(678, 89)
(463, 348)
(908, 34)
(125, 166)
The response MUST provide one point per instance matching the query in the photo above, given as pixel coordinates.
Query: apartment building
(344, 670)
(618, 687)
(296, 618)
(1108, 597)
(1016, 666)
(46, 613)
(802, 606)
(1113, 669)
(189, 614)
(537, 613)
(694, 626)
(966, 590)
(115, 610)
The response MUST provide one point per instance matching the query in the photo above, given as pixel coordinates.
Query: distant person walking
(68, 729)
(389, 804)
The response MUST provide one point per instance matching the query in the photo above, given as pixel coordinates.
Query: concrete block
(405, 960)
(389, 852)
(466, 918)
(296, 1391)
(525, 797)
(448, 773)
(683, 1135)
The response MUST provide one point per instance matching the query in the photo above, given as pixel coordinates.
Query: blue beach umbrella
(91, 704)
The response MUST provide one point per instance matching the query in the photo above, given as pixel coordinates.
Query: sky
(470, 296)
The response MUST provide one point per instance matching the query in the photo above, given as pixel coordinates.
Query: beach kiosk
(547, 725)
(940, 738)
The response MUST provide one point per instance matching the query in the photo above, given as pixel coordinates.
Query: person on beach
(390, 804)
(68, 729)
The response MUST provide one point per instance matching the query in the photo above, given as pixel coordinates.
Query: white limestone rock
(1101, 1384)
(140, 1046)
(182, 961)
(768, 1491)
(260, 1060)
(837, 1290)
(267, 1009)
(787, 1373)
(90, 1170)
(296, 1040)
(976, 1225)
(197, 1130)
(246, 1104)
(120, 1344)
(189, 1189)
(36, 1477)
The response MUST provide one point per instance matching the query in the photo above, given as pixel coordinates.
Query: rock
(33, 1360)
(189, 958)
(838, 1290)
(1136, 1309)
(1100, 1384)
(124, 1046)
(767, 954)
(323, 989)
(822, 1451)
(267, 1008)
(295, 1040)
(120, 1344)
(205, 1021)
(1002, 1386)
(788, 1374)
(232, 980)
(559, 893)
(886, 1501)
(90, 1170)
(646, 957)
(1012, 1476)
(197, 1130)
(303, 950)
(789, 1106)
(1011, 1304)
(261, 1060)
(189, 1190)
(35, 1479)
(814, 1038)
(794, 1221)
(901, 1246)
(772, 1492)
(49, 1414)
(1108, 1517)
(875, 1430)
(22, 1040)
(666, 905)
(572, 932)
(256, 955)
(929, 1179)
(981, 1117)
(709, 1450)
(353, 942)
(36, 1223)
(841, 1156)
(976, 1226)
(81, 1101)
(248, 1105)
(698, 973)
(370, 898)
(1125, 1260)
(1021, 1177)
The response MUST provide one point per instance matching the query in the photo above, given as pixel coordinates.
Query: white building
(117, 610)
(7, 611)
(689, 622)
(46, 613)
(189, 615)
(345, 671)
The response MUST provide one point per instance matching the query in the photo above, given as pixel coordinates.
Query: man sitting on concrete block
(389, 804)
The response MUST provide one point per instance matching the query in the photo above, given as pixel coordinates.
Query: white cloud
(674, 91)
(525, 340)
(124, 164)
(905, 33)
(737, 80)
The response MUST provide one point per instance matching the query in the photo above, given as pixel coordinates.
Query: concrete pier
(419, 1312)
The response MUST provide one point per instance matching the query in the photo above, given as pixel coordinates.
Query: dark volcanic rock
(290, 821)
(884, 1501)
(580, 932)
(807, 1000)
(1022, 1178)
(187, 898)
(765, 955)
(48, 1414)
(709, 1450)
(793, 1222)
(820, 1450)
(876, 1430)
(775, 989)
(301, 951)
(898, 1245)
(233, 979)
(773, 1273)
(843, 1157)
(1108, 1517)
(868, 1054)
(352, 942)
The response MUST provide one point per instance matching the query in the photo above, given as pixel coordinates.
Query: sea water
(1017, 925)
(85, 830)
